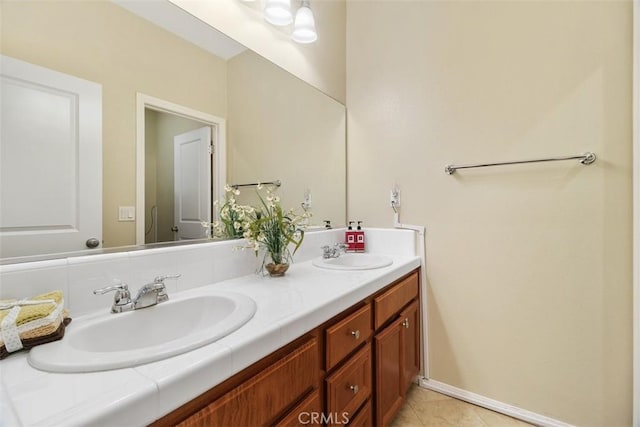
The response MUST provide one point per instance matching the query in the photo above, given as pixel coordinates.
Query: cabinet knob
(405, 323)
(354, 389)
(355, 334)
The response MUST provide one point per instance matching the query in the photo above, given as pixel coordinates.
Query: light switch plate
(126, 213)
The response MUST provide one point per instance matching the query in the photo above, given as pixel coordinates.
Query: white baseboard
(494, 405)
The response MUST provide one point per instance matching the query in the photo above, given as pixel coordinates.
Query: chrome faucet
(335, 251)
(148, 295)
(121, 299)
(153, 293)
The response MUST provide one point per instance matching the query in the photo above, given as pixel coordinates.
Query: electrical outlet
(395, 197)
(306, 203)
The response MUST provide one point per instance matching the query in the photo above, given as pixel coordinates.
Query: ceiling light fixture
(278, 12)
(304, 30)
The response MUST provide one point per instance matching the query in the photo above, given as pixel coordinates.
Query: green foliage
(266, 226)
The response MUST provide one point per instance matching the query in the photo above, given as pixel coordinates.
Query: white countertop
(287, 307)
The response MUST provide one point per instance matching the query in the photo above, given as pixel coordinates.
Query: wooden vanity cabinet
(354, 370)
(410, 343)
(396, 344)
(389, 386)
(262, 394)
(266, 394)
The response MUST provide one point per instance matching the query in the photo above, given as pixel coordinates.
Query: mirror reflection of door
(50, 161)
(178, 171)
(192, 183)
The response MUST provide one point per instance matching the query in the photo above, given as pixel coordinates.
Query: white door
(50, 161)
(192, 183)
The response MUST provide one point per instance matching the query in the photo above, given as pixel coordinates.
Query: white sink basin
(352, 261)
(111, 341)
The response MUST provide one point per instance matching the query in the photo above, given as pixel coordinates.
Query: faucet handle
(122, 298)
(161, 279)
(118, 287)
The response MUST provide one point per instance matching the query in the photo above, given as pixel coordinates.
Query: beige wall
(321, 64)
(280, 128)
(102, 42)
(529, 267)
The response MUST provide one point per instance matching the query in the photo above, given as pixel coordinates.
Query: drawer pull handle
(354, 389)
(356, 334)
(405, 323)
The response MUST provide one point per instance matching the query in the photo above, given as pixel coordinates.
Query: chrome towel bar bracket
(585, 159)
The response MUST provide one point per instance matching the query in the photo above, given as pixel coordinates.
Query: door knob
(174, 228)
(92, 243)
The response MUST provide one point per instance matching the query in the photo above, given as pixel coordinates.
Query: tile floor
(426, 408)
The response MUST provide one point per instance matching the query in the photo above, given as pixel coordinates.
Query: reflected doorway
(180, 170)
(178, 184)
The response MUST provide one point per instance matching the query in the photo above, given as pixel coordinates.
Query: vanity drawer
(267, 394)
(308, 412)
(393, 300)
(350, 386)
(347, 335)
(364, 418)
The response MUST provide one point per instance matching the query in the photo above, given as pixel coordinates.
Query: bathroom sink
(353, 261)
(111, 341)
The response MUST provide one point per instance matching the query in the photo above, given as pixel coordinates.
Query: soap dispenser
(359, 237)
(350, 238)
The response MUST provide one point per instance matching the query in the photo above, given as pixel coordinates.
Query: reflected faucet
(335, 251)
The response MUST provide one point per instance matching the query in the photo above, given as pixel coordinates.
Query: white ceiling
(175, 20)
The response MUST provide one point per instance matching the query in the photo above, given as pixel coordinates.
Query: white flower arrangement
(267, 226)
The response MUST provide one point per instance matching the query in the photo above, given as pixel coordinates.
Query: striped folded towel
(29, 322)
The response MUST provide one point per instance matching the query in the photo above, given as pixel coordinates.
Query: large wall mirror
(275, 126)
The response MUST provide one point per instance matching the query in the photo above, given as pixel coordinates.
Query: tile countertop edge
(290, 328)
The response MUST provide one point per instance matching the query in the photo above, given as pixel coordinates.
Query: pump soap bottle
(350, 238)
(359, 238)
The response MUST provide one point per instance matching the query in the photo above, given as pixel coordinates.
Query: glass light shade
(305, 26)
(278, 12)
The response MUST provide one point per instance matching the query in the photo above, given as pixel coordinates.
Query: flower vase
(276, 270)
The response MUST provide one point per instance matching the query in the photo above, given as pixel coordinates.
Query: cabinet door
(410, 344)
(258, 401)
(389, 385)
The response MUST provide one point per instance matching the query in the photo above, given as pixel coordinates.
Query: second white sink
(111, 341)
(353, 261)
